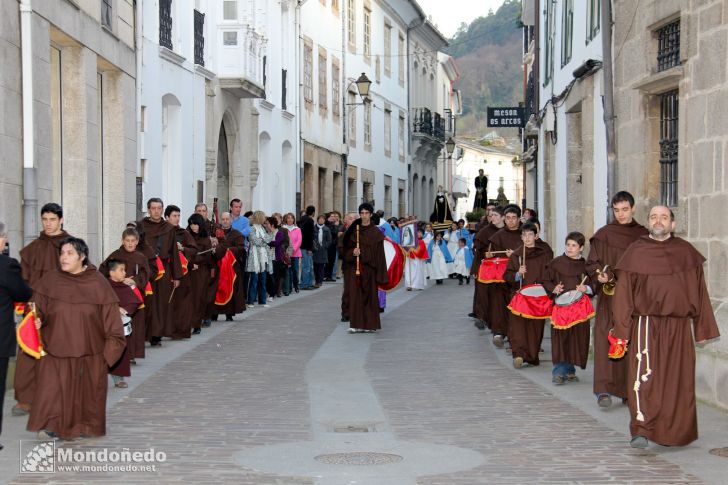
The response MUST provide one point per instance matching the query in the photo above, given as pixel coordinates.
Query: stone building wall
(702, 189)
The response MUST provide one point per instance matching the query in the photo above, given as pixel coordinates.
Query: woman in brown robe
(200, 272)
(137, 275)
(82, 334)
(661, 301)
(569, 346)
(365, 242)
(526, 334)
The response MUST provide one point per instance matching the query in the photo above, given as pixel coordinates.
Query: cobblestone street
(286, 396)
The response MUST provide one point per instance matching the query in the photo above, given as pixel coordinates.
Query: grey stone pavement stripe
(284, 378)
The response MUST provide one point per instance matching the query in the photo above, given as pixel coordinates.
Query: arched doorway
(223, 170)
(171, 149)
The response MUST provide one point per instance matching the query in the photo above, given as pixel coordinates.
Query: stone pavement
(285, 396)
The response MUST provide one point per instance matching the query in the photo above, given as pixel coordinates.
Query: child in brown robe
(130, 300)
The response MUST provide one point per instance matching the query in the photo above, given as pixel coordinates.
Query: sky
(448, 14)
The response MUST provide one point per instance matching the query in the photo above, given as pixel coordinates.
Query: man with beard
(366, 268)
(607, 246)
(234, 241)
(36, 260)
(660, 302)
(160, 239)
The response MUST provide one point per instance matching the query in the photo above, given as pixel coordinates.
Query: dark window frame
(165, 24)
(669, 121)
(567, 31)
(199, 38)
(107, 13)
(668, 46)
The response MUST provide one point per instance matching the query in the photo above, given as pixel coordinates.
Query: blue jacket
(443, 248)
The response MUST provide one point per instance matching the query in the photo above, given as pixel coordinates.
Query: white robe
(459, 265)
(414, 274)
(427, 238)
(438, 267)
(452, 246)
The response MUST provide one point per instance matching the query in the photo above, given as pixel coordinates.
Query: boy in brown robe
(137, 276)
(526, 334)
(506, 239)
(481, 243)
(36, 260)
(82, 334)
(607, 246)
(363, 250)
(661, 292)
(129, 303)
(569, 346)
(160, 239)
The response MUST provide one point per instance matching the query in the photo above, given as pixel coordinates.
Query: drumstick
(172, 294)
(497, 252)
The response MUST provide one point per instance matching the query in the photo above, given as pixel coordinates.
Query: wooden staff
(358, 271)
(172, 294)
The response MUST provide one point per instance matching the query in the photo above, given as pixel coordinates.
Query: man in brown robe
(160, 239)
(82, 334)
(348, 221)
(180, 324)
(481, 243)
(661, 291)
(234, 241)
(363, 250)
(526, 334)
(36, 260)
(607, 246)
(506, 239)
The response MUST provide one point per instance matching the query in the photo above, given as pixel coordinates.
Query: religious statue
(481, 190)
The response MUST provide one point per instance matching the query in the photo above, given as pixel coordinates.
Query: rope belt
(638, 354)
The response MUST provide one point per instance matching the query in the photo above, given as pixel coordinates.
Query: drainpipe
(296, 83)
(30, 180)
(412, 25)
(344, 114)
(138, 41)
(608, 86)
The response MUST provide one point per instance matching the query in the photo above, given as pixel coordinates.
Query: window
(567, 31)
(593, 18)
(401, 59)
(230, 10)
(368, 124)
(335, 88)
(352, 120)
(284, 89)
(387, 132)
(387, 48)
(199, 38)
(230, 38)
(668, 147)
(401, 136)
(106, 12)
(265, 75)
(549, 50)
(351, 20)
(377, 69)
(165, 23)
(367, 33)
(308, 73)
(322, 85)
(387, 195)
(668, 46)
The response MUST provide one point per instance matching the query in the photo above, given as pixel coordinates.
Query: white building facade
(572, 155)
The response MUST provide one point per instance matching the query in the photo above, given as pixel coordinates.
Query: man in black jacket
(307, 225)
(12, 289)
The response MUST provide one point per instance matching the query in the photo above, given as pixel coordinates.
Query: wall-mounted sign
(507, 117)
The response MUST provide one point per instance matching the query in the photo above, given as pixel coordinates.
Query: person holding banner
(82, 334)
(12, 289)
(36, 260)
(567, 280)
(231, 257)
(365, 269)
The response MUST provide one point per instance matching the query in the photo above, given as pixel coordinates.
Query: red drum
(531, 301)
(492, 270)
(571, 308)
(396, 258)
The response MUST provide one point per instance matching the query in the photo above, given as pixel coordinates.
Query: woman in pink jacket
(293, 253)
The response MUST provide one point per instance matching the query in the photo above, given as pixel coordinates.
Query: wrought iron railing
(199, 38)
(668, 46)
(424, 122)
(165, 23)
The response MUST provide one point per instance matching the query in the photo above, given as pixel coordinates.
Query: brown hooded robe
(498, 314)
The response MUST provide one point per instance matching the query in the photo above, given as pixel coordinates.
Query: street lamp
(362, 85)
(450, 147)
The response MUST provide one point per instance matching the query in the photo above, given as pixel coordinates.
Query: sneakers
(498, 341)
(639, 442)
(471, 315)
(196, 331)
(518, 362)
(604, 400)
(559, 380)
(353, 330)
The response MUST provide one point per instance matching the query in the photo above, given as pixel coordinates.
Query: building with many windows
(68, 115)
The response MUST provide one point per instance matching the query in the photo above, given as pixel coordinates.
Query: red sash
(29, 337)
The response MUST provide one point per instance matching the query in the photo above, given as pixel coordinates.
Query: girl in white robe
(414, 269)
(439, 257)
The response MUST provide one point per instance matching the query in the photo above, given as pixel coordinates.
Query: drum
(126, 320)
(396, 258)
(492, 270)
(531, 301)
(571, 307)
